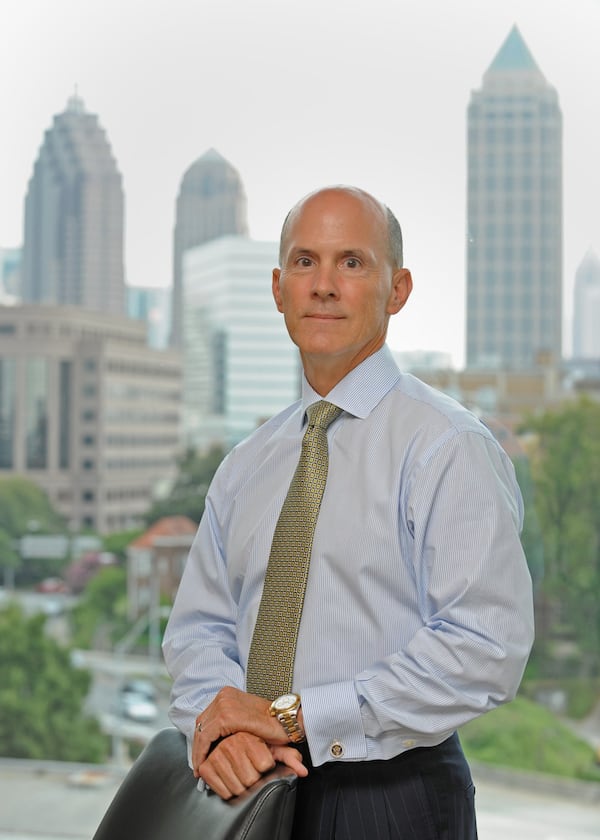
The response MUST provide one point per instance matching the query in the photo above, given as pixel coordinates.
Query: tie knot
(322, 413)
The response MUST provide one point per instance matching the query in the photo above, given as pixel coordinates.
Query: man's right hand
(239, 760)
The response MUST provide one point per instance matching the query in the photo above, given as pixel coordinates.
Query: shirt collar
(362, 389)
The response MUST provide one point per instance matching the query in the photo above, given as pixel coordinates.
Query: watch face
(286, 701)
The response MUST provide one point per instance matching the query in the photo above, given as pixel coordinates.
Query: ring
(199, 726)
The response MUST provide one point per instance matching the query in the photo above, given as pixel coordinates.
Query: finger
(228, 778)
(292, 758)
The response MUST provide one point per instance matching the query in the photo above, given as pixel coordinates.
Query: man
(417, 614)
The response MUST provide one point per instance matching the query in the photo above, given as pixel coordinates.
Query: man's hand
(240, 760)
(253, 742)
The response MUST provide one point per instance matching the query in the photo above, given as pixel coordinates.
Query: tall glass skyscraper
(586, 308)
(211, 203)
(514, 215)
(73, 239)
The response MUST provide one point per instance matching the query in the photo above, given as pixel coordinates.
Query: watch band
(291, 724)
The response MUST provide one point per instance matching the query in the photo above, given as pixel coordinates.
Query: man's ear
(401, 288)
(276, 289)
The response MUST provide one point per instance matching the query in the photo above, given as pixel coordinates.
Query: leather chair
(159, 800)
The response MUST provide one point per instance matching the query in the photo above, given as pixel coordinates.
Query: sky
(298, 94)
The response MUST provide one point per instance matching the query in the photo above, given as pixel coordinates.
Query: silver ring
(199, 726)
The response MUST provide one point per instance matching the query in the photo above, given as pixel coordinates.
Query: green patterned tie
(271, 657)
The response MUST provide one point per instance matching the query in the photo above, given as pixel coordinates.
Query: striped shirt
(418, 610)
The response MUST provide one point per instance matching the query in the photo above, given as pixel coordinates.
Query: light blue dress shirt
(418, 610)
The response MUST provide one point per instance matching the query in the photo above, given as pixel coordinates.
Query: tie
(271, 657)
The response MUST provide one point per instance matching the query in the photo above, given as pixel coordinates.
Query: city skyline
(296, 96)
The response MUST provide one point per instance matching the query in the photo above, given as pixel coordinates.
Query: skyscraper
(211, 203)
(73, 241)
(586, 308)
(514, 215)
(239, 364)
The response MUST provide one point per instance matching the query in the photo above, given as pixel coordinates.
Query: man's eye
(351, 262)
(305, 262)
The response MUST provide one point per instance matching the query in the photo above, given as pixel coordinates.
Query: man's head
(395, 244)
(340, 279)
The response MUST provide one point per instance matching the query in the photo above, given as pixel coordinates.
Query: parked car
(137, 701)
(52, 585)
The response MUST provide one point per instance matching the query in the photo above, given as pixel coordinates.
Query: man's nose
(326, 281)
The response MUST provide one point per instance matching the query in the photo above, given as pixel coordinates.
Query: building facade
(153, 307)
(586, 309)
(88, 412)
(240, 366)
(211, 203)
(73, 236)
(514, 215)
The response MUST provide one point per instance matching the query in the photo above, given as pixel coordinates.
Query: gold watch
(285, 709)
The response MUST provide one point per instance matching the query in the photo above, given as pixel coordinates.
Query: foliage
(186, 498)
(566, 475)
(531, 537)
(581, 695)
(526, 736)
(100, 616)
(117, 543)
(23, 508)
(42, 696)
(22, 503)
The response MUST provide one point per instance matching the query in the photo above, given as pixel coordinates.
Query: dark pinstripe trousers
(423, 794)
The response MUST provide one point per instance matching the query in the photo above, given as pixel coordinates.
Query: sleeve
(459, 523)
(199, 644)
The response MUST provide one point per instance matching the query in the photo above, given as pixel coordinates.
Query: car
(137, 701)
(52, 585)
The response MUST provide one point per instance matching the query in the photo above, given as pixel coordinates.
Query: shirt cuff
(333, 723)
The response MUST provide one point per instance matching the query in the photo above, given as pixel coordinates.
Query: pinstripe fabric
(417, 615)
(271, 657)
(424, 794)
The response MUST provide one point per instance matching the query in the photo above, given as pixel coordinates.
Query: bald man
(417, 613)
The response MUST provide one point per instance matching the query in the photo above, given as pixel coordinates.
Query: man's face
(337, 287)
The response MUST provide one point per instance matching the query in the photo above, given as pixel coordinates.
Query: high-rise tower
(211, 203)
(514, 215)
(73, 240)
(586, 308)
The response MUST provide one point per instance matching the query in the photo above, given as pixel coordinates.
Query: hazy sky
(298, 94)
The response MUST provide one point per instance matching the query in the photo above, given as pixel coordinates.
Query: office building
(240, 366)
(88, 412)
(10, 274)
(73, 237)
(514, 215)
(211, 203)
(153, 307)
(586, 309)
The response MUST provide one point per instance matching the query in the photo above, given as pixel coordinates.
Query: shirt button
(409, 743)
(336, 750)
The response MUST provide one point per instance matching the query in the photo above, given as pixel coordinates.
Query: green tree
(23, 506)
(100, 617)
(118, 542)
(42, 696)
(566, 477)
(22, 503)
(186, 497)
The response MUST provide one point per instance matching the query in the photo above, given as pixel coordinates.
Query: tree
(23, 503)
(42, 696)
(186, 498)
(23, 506)
(99, 619)
(566, 476)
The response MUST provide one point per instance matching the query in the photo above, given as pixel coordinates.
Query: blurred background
(149, 152)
